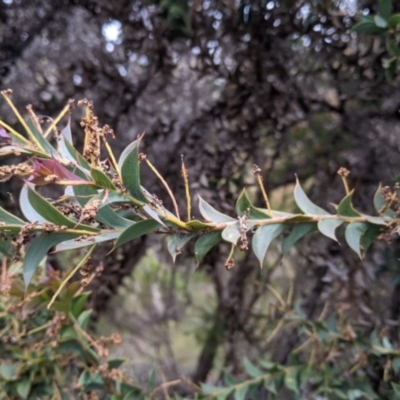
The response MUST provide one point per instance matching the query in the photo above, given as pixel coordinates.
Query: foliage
(48, 353)
(387, 24)
(104, 200)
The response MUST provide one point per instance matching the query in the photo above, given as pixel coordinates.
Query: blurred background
(282, 84)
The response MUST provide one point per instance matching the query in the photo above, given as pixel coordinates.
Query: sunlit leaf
(205, 243)
(211, 214)
(263, 238)
(231, 233)
(74, 244)
(328, 227)
(346, 208)
(177, 241)
(297, 233)
(304, 203)
(42, 141)
(353, 233)
(136, 230)
(37, 249)
(152, 213)
(130, 171)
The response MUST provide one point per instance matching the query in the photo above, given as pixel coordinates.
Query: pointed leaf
(211, 214)
(263, 238)
(243, 204)
(37, 249)
(51, 214)
(297, 233)
(153, 214)
(41, 140)
(130, 171)
(353, 233)
(304, 203)
(251, 369)
(346, 208)
(372, 232)
(240, 392)
(291, 380)
(138, 229)
(26, 207)
(101, 179)
(9, 219)
(74, 244)
(177, 241)
(109, 217)
(231, 233)
(328, 227)
(205, 243)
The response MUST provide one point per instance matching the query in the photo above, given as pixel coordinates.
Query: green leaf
(243, 204)
(396, 387)
(116, 363)
(109, 217)
(8, 370)
(291, 380)
(130, 171)
(372, 232)
(297, 233)
(251, 369)
(37, 249)
(240, 392)
(101, 179)
(353, 233)
(394, 21)
(211, 214)
(196, 224)
(368, 27)
(153, 214)
(263, 238)
(100, 238)
(77, 156)
(380, 22)
(42, 141)
(379, 203)
(23, 388)
(305, 203)
(392, 48)
(385, 8)
(346, 208)
(27, 210)
(231, 233)
(177, 241)
(328, 227)
(136, 230)
(83, 319)
(10, 219)
(51, 214)
(205, 243)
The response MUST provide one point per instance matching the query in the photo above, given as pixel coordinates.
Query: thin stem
(20, 119)
(187, 190)
(72, 273)
(171, 195)
(112, 157)
(57, 120)
(345, 184)
(14, 132)
(257, 173)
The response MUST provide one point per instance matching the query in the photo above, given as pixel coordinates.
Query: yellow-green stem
(72, 273)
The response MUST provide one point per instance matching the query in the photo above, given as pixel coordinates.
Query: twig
(187, 190)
